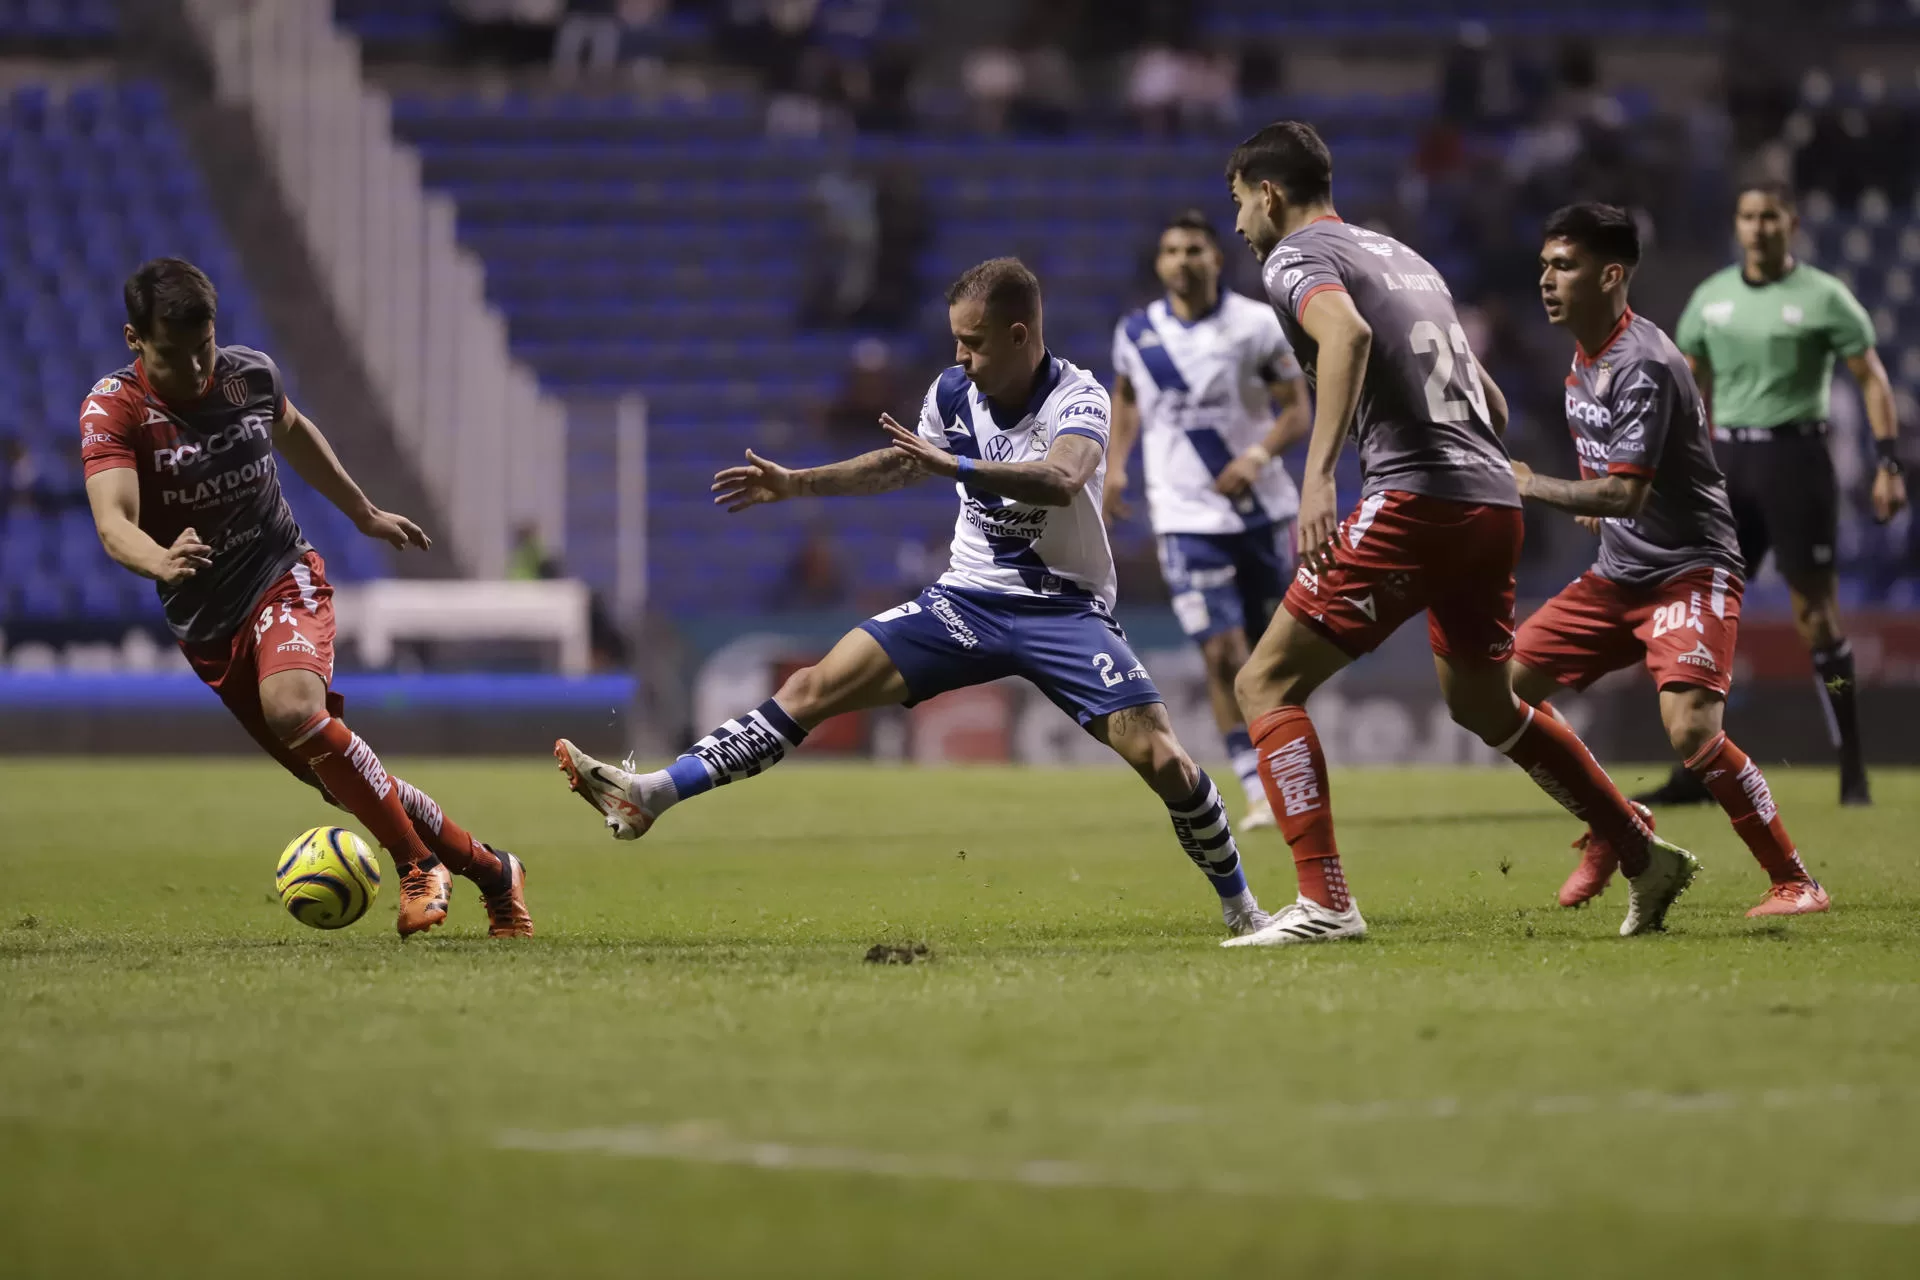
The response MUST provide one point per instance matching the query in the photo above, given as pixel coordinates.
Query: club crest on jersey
(999, 449)
(105, 387)
(235, 390)
(1603, 379)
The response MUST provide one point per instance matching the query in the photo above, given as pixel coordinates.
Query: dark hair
(1291, 156)
(1780, 191)
(1010, 291)
(1193, 220)
(1605, 230)
(172, 291)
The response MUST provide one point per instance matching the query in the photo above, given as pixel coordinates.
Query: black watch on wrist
(1889, 451)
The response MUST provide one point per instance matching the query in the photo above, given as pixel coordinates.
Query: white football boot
(607, 787)
(1670, 869)
(1243, 915)
(1305, 921)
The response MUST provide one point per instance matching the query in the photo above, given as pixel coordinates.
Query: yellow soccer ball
(327, 878)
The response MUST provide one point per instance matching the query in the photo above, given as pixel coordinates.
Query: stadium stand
(618, 237)
(69, 235)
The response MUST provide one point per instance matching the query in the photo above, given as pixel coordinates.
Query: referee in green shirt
(1762, 338)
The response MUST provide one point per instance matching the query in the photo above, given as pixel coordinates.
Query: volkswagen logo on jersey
(999, 449)
(235, 390)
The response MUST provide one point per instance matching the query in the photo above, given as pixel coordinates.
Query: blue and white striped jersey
(1203, 400)
(1013, 547)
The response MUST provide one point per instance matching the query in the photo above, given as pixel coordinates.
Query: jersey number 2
(1426, 337)
(1103, 662)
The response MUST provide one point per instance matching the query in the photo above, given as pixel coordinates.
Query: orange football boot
(424, 891)
(507, 914)
(1792, 898)
(1598, 862)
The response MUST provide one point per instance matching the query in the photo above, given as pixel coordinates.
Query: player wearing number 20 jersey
(1437, 528)
(1666, 588)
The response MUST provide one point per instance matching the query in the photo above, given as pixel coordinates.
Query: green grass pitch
(692, 1071)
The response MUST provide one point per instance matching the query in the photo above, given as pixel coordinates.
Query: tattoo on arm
(881, 471)
(1619, 495)
(1050, 482)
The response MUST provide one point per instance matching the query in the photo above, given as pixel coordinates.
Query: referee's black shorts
(1784, 494)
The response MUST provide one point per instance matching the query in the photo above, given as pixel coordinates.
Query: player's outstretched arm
(114, 495)
(762, 481)
(1120, 441)
(1345, 340)
(1614, 495)
(1051, 481)
(313, 460)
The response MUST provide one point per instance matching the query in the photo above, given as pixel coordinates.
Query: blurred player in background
(1437, 528)
(1196, 378)
(1023, 436)
(1761, 338)
(1666, 590)
(178, 451)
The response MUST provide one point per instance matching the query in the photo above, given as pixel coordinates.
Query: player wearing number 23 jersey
(1438, 522)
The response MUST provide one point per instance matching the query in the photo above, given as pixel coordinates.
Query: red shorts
(1684, 629)
(1399, 553)
(291, 629)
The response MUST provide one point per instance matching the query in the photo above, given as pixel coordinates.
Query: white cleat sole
(1258, 818)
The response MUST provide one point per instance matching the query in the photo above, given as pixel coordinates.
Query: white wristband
(1261, 452)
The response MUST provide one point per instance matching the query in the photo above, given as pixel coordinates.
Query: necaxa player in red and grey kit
(178, 448)
(1666, 589)
(1437, 528)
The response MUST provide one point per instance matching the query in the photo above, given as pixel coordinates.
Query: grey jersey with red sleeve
(1422, 424)
(206, 466)
(1634, 409)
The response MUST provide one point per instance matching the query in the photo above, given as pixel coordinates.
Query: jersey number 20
(1426, 337)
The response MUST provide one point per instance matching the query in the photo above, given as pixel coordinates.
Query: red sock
(1741, 789)
(1293, 770)
(354, 776)
(1556, 759)
(448, 839)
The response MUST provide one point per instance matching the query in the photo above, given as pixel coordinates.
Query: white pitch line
(702, 1144)
(1708, 1101)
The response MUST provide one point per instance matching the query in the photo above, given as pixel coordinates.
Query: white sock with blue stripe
(1246, 764)
(741, 748)
(1200, 824)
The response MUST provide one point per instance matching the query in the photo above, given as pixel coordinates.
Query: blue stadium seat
(66, 243)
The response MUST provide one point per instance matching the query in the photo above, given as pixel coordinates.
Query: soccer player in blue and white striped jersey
(1022, 436)
(1205, 379)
